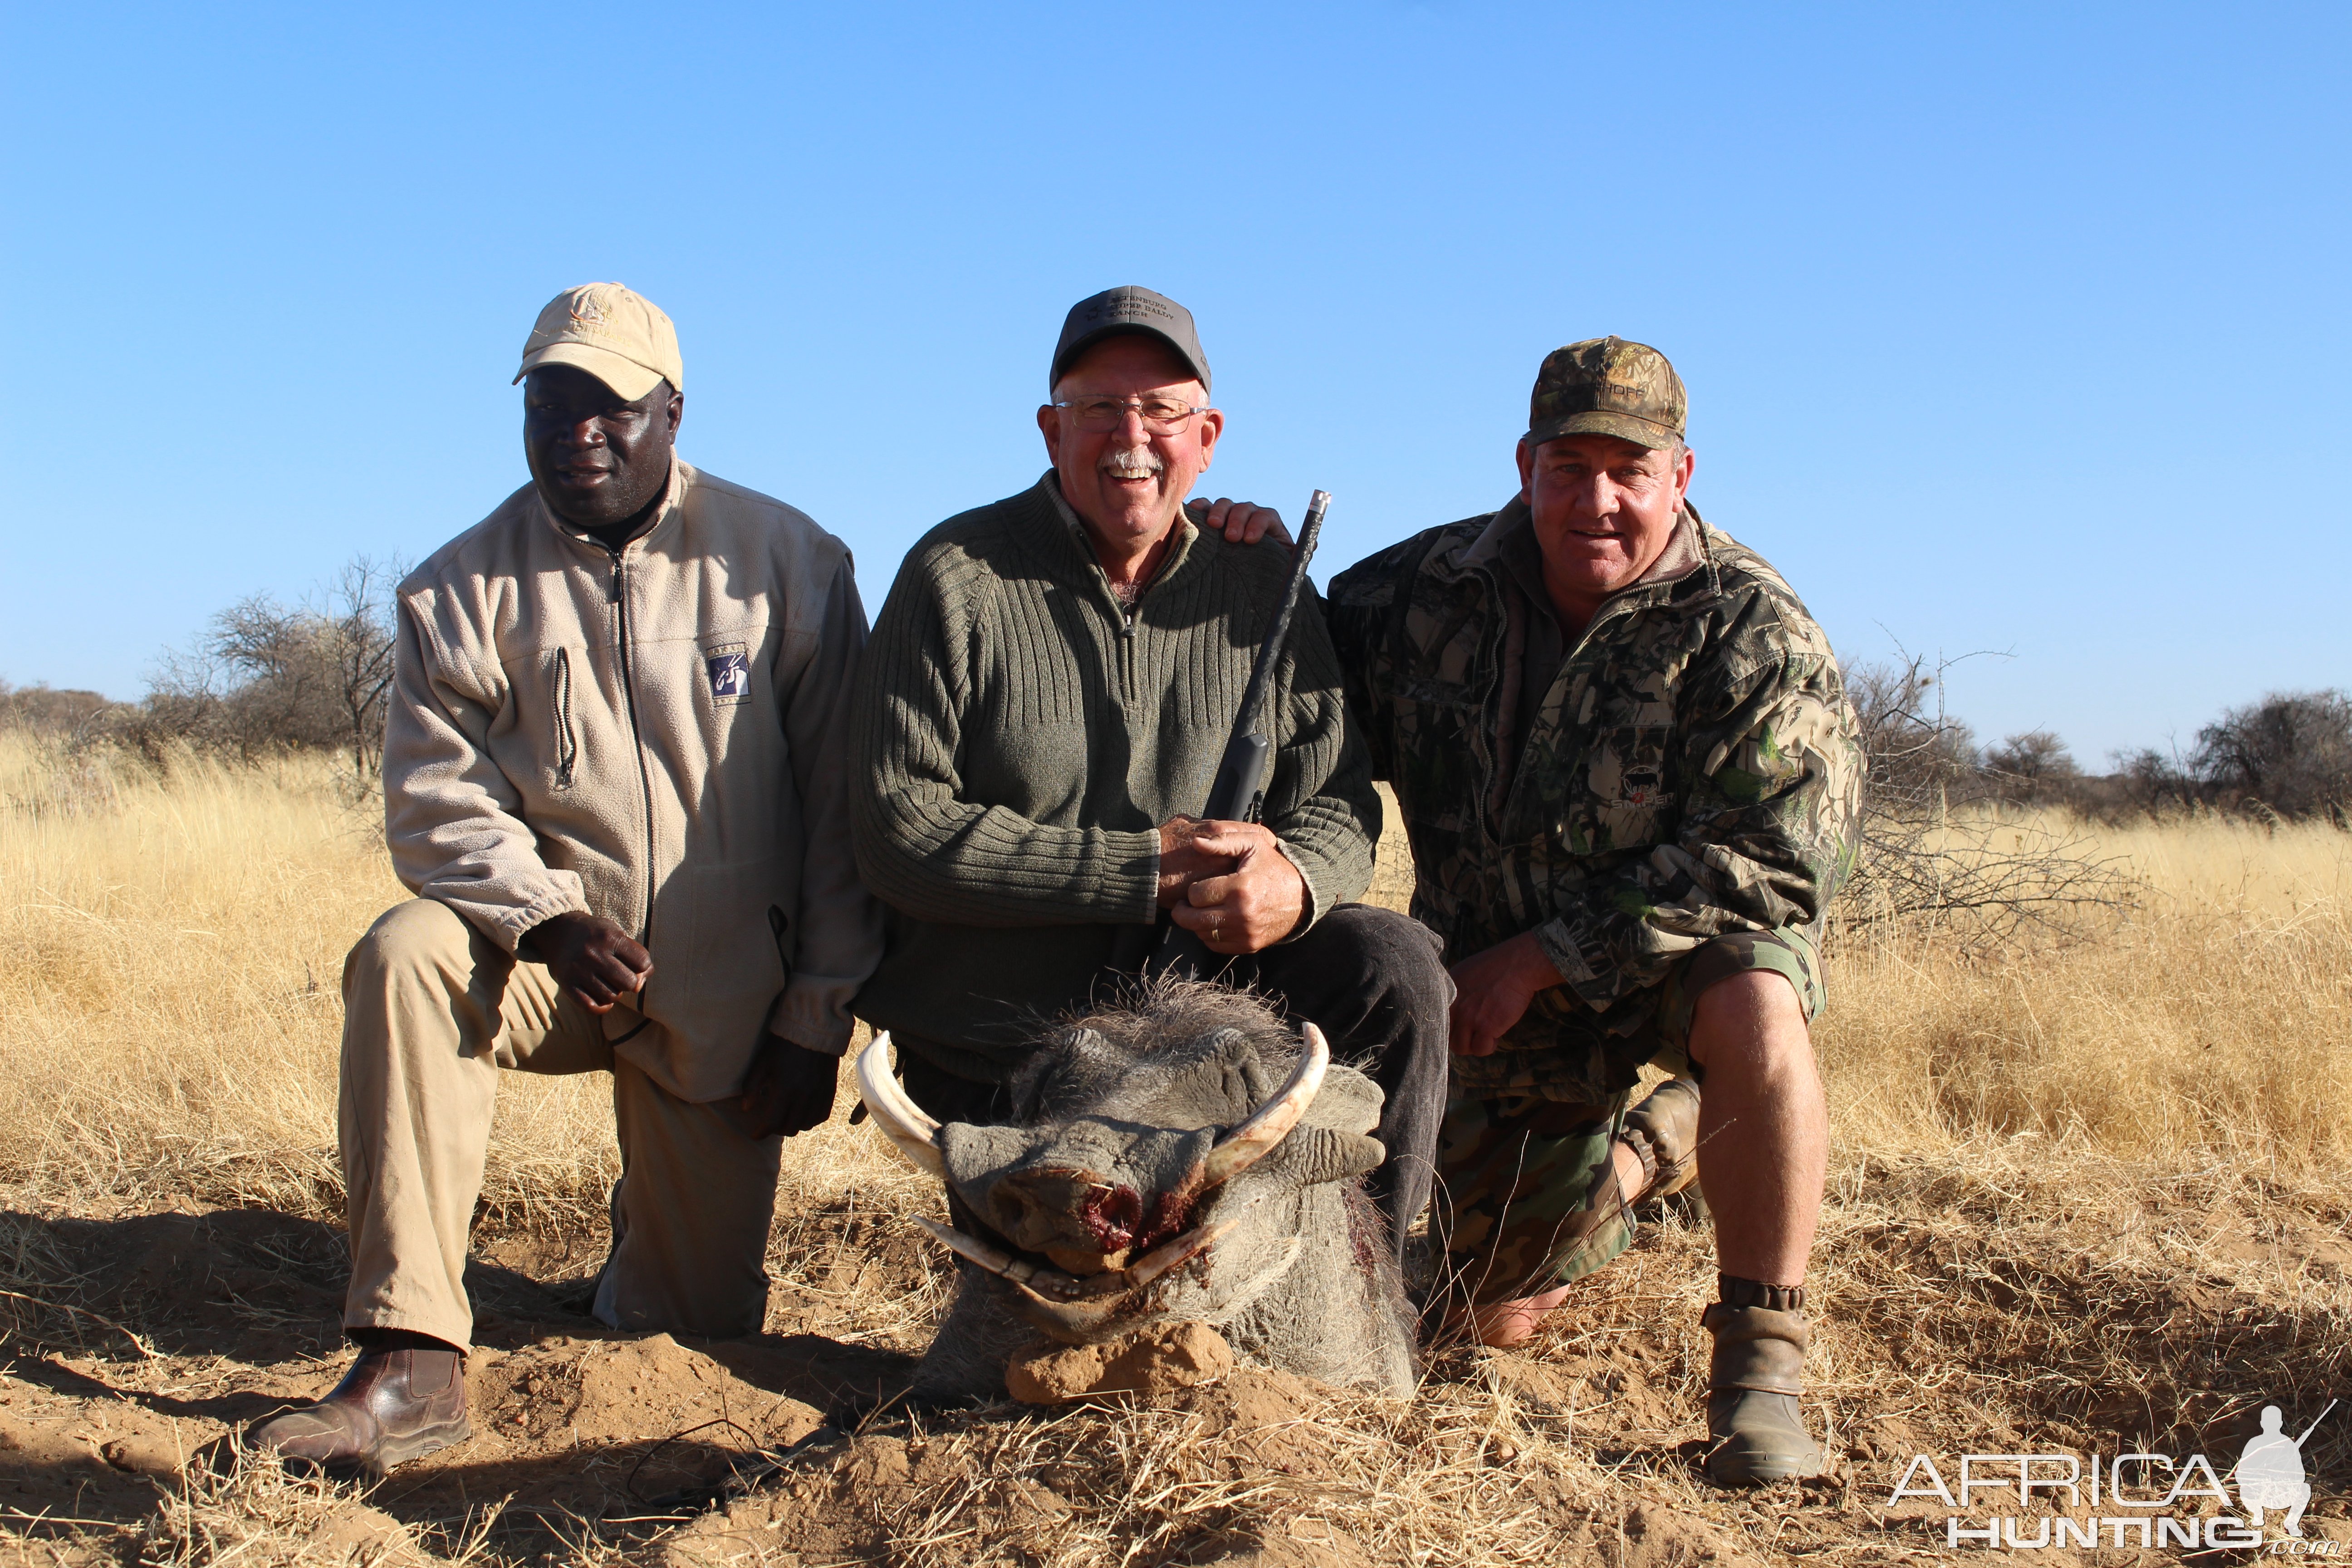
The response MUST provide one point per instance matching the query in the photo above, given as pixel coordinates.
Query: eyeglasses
(1161, 415)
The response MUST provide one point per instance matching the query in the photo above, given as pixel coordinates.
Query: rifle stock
(1238, 791)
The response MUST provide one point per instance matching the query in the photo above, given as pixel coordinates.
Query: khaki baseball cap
(1128, 310)
(612, 332)
(1607, 386)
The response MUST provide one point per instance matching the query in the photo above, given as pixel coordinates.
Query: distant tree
(2032, 768)
(265, 676)
(2033, 755)
(46, 711)
(2154, 781)
(2291, 753)
(362, 635)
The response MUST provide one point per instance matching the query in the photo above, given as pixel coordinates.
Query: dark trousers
(1372, 982)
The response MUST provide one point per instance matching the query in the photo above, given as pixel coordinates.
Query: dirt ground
(1966, 1313)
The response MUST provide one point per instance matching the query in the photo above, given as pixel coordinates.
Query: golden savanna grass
(177, 943)
(2087, 1188)
(2208, 1025)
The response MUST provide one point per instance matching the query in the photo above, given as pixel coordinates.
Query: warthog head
(1182, 1158)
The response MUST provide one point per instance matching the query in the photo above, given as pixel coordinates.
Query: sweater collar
(1081, 543)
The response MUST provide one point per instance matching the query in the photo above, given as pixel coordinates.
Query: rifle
(1238, 793)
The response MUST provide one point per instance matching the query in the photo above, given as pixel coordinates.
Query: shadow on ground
(136, 1343)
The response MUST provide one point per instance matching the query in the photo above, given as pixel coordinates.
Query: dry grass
(2081, 1190)
(176, 947)
(2205, 1029)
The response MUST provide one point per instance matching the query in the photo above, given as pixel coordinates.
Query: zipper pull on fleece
(616, 576)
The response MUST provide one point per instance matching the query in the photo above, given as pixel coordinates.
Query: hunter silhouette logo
(2269, 1471)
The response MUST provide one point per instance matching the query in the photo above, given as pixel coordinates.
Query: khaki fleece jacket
(1024, 734)
(658, 735)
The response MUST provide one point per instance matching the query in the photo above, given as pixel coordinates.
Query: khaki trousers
(432, 1011)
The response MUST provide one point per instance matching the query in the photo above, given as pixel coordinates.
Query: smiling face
(1129, 482)
(597, 461)
(1603, 510)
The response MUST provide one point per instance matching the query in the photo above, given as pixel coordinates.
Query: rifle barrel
(1248, 759)
(1269, 652)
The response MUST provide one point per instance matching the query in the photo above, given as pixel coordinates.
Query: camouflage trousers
(1527, 1196)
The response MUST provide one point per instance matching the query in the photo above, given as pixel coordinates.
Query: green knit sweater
(1024, 735)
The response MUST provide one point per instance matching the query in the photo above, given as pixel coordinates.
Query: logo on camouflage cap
(1607, 387)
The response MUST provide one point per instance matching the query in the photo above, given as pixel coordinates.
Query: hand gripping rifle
(1239, 791)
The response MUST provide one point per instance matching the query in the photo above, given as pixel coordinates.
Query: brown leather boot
(1662, 1131)
(391, 1407)
(1756, 1434)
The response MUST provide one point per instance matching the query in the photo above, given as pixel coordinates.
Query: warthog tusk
(1270, 1123)
(916, 1134)
(1055, 1289)
(977, 1250)
(1170, 1254)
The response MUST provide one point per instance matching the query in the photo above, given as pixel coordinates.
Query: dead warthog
(1182, 1158)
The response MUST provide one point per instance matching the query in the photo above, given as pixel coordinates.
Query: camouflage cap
(1607, 386)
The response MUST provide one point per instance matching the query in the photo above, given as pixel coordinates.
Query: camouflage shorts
(1527, 1196)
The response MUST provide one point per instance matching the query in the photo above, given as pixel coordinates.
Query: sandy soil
(1984, 1328)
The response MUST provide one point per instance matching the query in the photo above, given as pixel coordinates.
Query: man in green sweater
(1045, 698)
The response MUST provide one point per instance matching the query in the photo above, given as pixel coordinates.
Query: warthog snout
(1186, 1158)
(1082, 1221)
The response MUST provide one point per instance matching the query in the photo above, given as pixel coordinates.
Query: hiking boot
(1756, 1434)
(1663, 1132)
(391, 1407)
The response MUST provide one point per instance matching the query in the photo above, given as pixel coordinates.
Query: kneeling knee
(419, 937)
(1756, 1017)
(1395, 952)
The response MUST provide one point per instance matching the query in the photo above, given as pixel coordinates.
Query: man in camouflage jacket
(1631, 781)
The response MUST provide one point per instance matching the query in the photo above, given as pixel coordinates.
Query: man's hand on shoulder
(1241, 521)
(1255, 898)
(788, 1089)
(591, 957)
(1492, 991)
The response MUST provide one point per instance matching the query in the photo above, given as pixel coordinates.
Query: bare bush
(1936, 849)
(2149, 783)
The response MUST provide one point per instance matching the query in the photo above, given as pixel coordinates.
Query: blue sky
(2006, 328)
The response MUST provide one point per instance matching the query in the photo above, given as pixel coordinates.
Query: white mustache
(1134, 463)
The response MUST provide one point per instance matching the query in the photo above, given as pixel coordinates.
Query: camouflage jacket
(1694, 770)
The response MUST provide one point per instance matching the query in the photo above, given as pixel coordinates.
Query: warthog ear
(1266, 1126)
(1320, 1154)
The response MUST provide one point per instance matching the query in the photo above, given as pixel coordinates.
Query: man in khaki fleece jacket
(613, 777)
(1050, 688)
